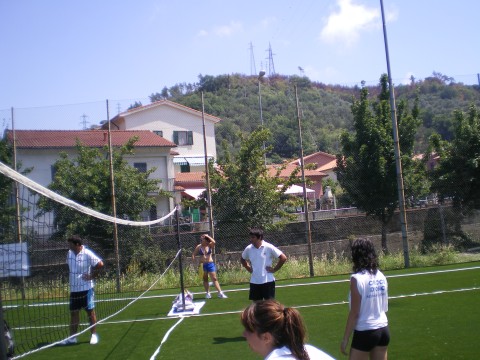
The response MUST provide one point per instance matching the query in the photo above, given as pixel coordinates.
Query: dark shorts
(82, 300)
(262, 291)
(209, 267)
(368, 339)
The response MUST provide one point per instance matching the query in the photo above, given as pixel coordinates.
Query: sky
(61, 60)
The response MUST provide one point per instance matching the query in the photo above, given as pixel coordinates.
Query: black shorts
(82, 300)
(262, 291)
(368, 339)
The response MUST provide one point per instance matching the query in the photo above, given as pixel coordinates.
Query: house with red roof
(177, 123)
(39, 149)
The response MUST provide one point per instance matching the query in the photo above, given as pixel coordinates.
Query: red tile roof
(92, 138)
(284, 173)
(323, 160)
(190, 177)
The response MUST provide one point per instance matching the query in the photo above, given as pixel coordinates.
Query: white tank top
(374, 292)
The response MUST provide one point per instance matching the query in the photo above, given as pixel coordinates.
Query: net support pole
(18, 217)
(398, 162)
(180, 263)
(308, 230)
(114, 202)
(3, 345)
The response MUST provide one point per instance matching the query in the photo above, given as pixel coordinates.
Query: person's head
(204, 240)
(75, 242)
(364, 256)
(256, 236)
(270, 325)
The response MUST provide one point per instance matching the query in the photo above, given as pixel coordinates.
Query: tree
(7, 208)
(86, 180)
(366, 168)
(458, 173)
(245, 194)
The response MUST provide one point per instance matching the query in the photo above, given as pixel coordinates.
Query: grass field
(432, 313)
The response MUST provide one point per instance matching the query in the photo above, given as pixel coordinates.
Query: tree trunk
(384, 237)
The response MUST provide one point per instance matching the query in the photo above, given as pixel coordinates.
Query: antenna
(253, 69)
(271, 65)
(118, 108)
(84, 121)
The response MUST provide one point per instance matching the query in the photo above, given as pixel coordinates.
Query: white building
(178, 124)
(40, 149)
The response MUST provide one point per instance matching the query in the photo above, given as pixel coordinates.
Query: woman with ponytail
(277, 332)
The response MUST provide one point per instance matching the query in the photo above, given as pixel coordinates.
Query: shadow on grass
(224, 340)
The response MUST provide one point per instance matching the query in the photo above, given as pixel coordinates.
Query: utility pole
(253, 68)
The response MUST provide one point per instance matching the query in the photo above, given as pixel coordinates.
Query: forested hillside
(324, 109)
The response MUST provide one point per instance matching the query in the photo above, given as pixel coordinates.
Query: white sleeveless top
(374, 292)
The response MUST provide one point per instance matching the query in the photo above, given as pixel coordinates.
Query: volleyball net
(35, 280)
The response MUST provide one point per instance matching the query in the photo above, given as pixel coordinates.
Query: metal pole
(114, 203)
(398, 163)
(207, 175)
(179, 244)
(305, 200)
(18, 218)
(261, 74)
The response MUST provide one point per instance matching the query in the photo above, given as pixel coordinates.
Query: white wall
(167, 119)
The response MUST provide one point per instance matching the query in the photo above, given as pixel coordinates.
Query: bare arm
(281, 260)
(355, 301)
(195, 252)
(211, 241)
(246, 265)
(94, 272)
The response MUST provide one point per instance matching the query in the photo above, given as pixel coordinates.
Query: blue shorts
(209, 267)
(368, 339)
(82, 300)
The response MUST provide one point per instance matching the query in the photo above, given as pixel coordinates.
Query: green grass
(440, 322)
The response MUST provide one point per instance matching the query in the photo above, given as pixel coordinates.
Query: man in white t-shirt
(258, 258)
(83, 265)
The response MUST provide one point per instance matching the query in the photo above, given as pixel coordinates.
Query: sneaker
(221, 295)
(69, 341)
(94, 339)
(208, 296)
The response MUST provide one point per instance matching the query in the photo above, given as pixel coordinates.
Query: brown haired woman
(277, 332)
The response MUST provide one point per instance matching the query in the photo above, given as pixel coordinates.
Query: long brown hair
(285, 324)
(364, 256)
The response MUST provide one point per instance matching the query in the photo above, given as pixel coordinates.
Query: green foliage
(458, 174)
(366, 170)
(7, 209)
(85, 179)
(246, 195)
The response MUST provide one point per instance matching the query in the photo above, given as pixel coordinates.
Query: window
(185, 168)
(141, 167)
(183, 137)
(158, 132)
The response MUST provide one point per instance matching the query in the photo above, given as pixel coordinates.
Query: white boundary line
(153, 357)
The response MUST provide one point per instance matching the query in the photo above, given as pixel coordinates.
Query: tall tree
(366, 168)
(86, 180)
(7, 208)
(458, 173)
(245, 194)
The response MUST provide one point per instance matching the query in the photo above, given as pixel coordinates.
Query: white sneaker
(69, 341)
(208, 296)
(221, 295)
(94, 339)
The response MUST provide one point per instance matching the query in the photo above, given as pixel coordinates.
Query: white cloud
(346, 24)
(228, 30)
(202, 33)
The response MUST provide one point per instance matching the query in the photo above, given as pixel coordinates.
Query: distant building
(177, 123)
(40, 149)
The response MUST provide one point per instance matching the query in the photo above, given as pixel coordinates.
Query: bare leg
(213, 277)
(205, 282)
(358, 355)
(379, 353)
(93, 320)
(74, 321)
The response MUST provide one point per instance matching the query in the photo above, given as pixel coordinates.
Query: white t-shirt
(259, 259)
(78, 265)
(374, 305)
(284, 353)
